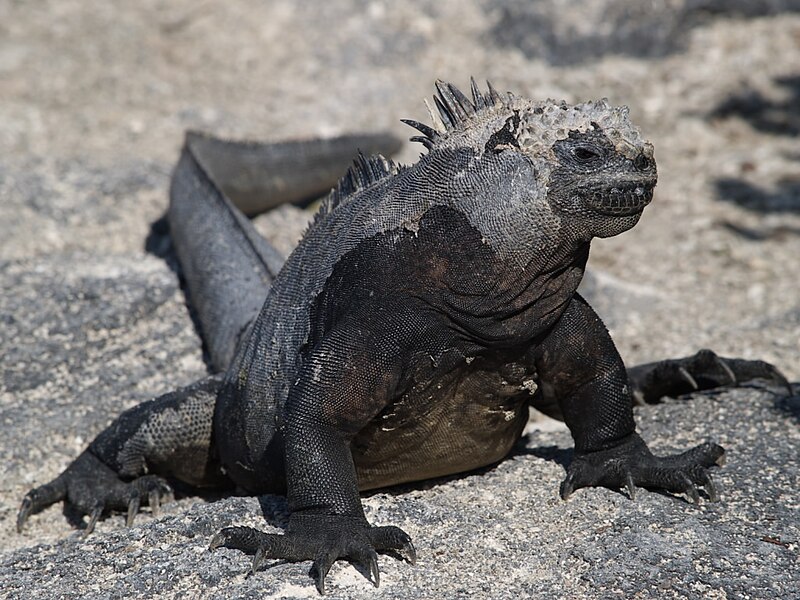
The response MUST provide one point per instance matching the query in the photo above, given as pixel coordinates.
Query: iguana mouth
(620, 201)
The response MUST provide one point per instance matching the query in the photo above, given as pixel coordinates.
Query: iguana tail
(227, 265)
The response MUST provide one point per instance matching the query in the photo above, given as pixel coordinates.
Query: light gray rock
(94, 98)
(501, 533)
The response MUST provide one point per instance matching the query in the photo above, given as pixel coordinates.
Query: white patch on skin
(316, 371)
(530, 385)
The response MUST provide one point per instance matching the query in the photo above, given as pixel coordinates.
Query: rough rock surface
(94, 97)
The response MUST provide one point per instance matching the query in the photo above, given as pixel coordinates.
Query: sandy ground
(94, 100)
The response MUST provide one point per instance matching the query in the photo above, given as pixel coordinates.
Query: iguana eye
(641, 162)
(585, 153)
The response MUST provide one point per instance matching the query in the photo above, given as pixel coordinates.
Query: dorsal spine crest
(364, 172)
(455, 111)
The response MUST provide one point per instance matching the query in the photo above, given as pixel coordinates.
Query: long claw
(728, 371)
(366, 557)
(154, 500)
(319, 581)
(133, 508)
(93, 517)
(630, 486)
(710, 487)
(688, 377)
(373, 569)
(410, 552)
(691, 491)
(259, 559)
(25, 510)
(322, 565)
(567, 487)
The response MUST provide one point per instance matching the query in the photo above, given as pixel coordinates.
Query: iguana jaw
(621, 200)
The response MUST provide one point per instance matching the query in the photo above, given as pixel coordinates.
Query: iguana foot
(323, 539)
(702, 371)
(91, 488)
(631, 464)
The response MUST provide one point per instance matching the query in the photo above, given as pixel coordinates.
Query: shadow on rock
(159, 243)
(556, 454)
(773, 116)
(586, 30)
(785, 198)
(790, 405)
(763, 234)
(275, 510)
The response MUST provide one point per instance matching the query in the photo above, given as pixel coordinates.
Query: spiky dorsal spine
(365, 171)
(454, 110)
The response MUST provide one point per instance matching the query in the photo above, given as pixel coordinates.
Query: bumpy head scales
(589, 156)
(538, 124)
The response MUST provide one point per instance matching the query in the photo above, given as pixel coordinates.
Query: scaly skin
(424, 310)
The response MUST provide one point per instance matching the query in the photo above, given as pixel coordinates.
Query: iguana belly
(462, 421)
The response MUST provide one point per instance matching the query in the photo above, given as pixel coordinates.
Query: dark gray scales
(424, 311)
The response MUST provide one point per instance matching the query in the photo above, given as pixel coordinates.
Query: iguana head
(593, 172)
(600, 171)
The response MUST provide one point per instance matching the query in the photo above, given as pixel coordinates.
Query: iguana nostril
(641, 162)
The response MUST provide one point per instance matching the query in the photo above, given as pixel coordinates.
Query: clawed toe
(690, 489)
(323, 540)
(630, 465)
(394, 539)
(90, 488)
(321, 567)
(40, 498)
(630, 485)
(25, 510)
(568, 486)
(709, 486)
(133, 508)
(94, 515)
(157, 491)
(704, 370)
(246, 539)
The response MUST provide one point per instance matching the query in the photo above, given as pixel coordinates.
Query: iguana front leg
(581, 370)
(170, 436)
(345, 381)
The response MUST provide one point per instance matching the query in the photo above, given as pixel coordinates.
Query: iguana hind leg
(170, 437)
(704, 370)
(90, 487)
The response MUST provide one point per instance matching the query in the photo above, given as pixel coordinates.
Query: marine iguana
(425, 309)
